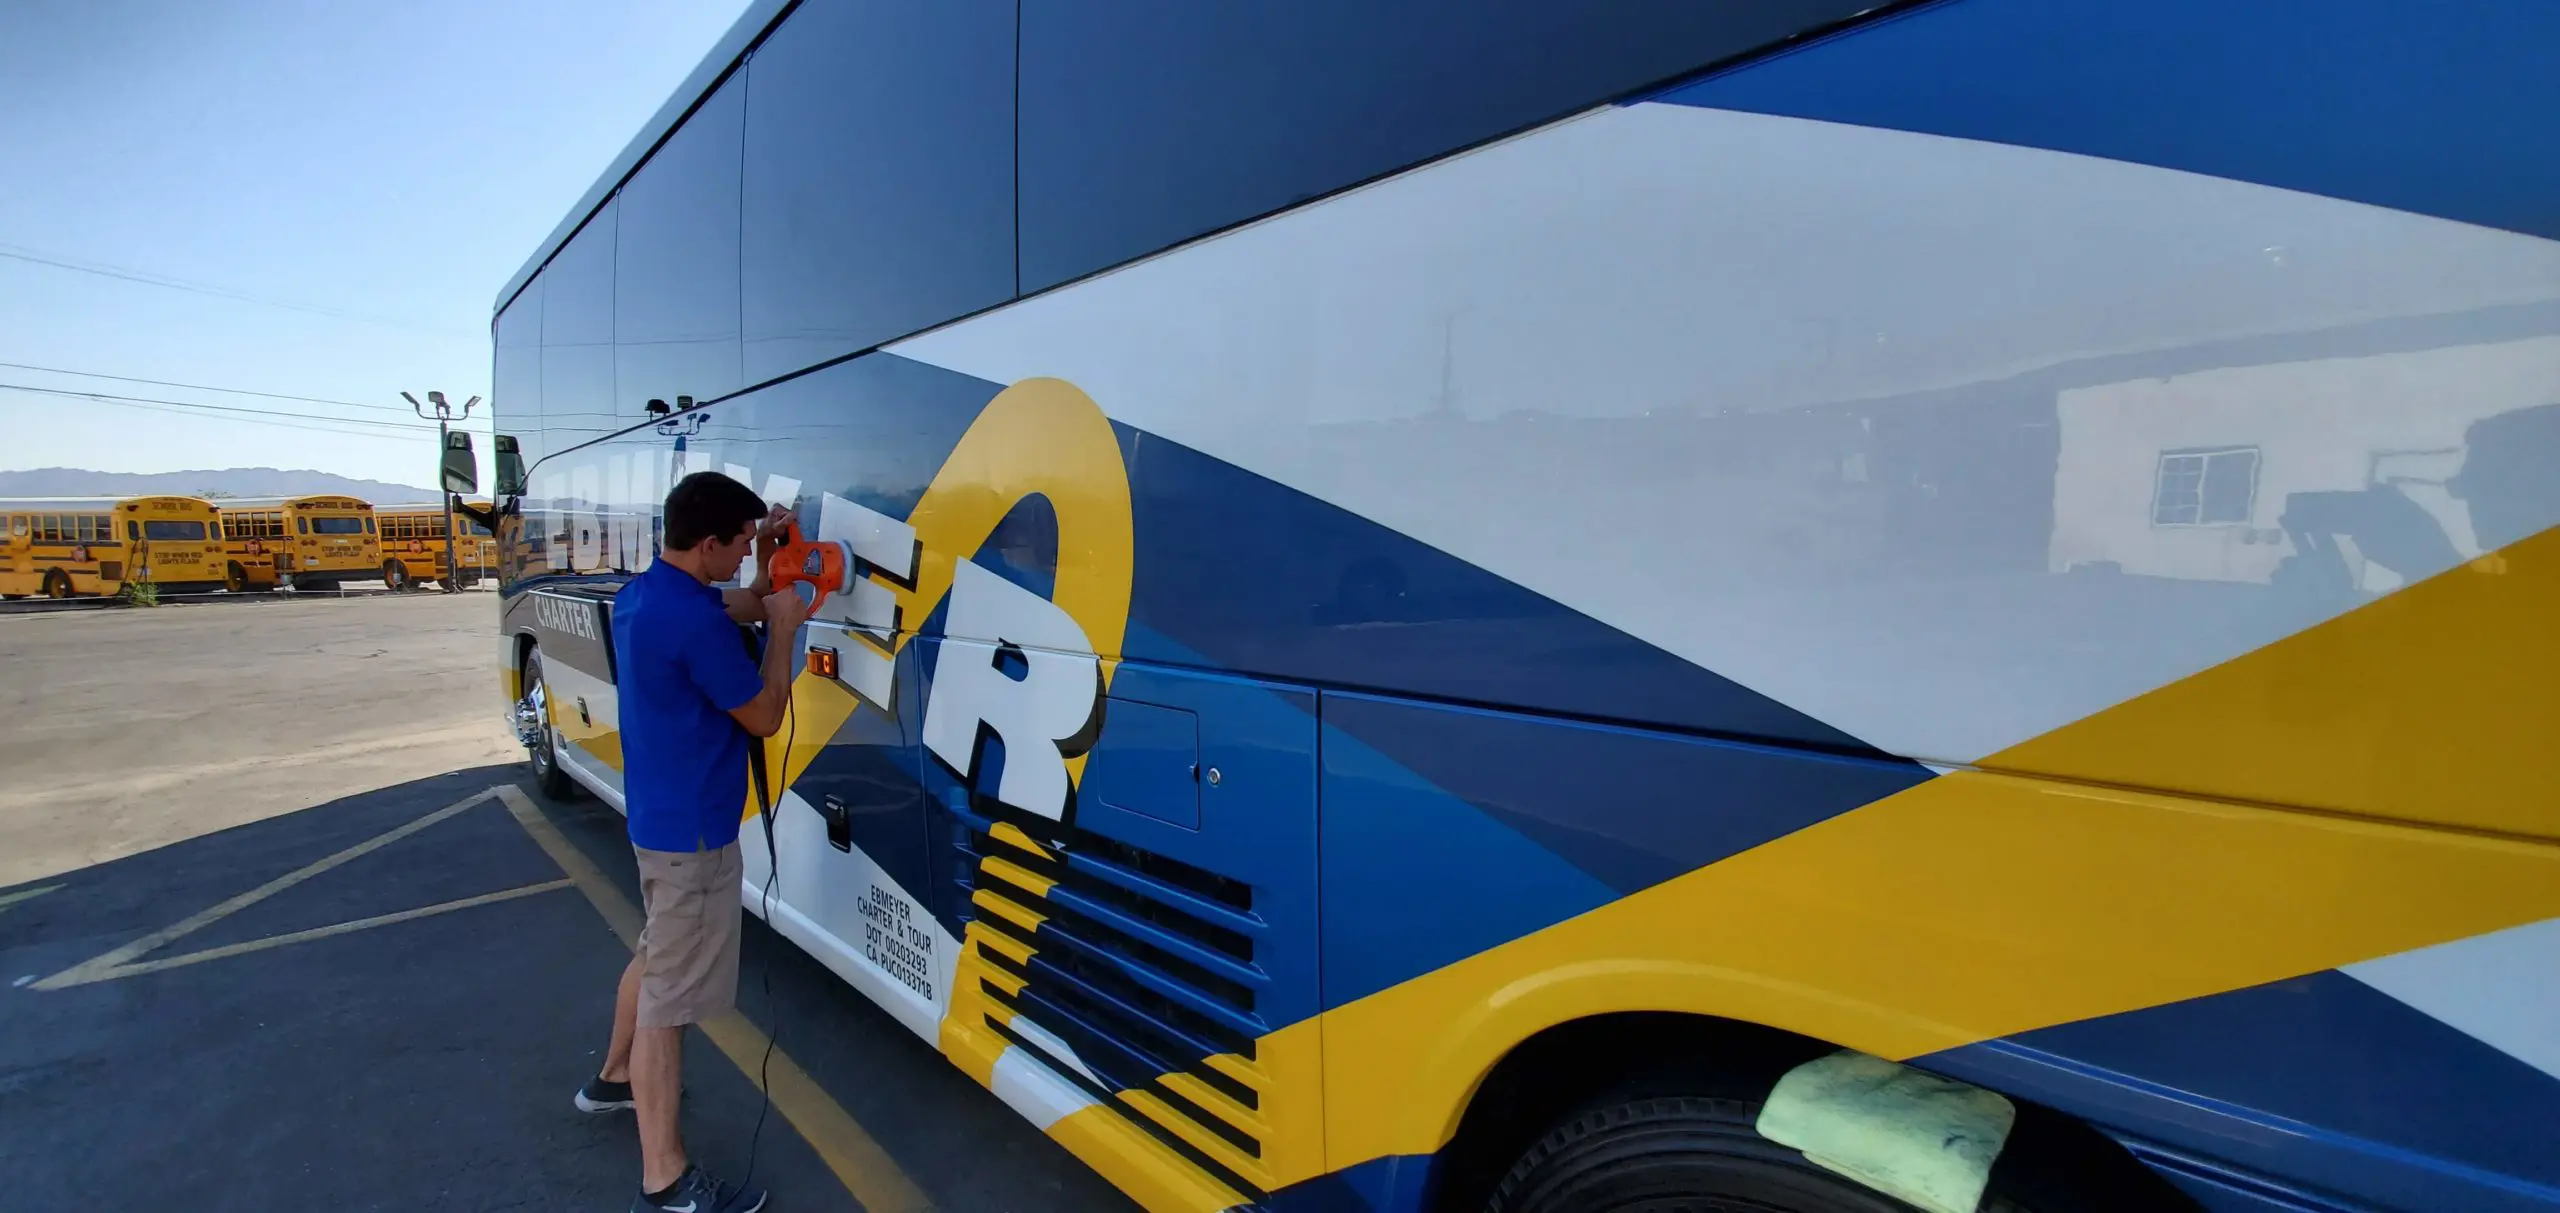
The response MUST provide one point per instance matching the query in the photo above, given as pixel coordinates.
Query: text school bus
(412, 539)
(307, 543)
(72, 546)
(1548, 608)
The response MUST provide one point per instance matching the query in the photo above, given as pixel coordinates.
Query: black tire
(236, 578)
(541, 755)
(1678, 1154)
(395, 576)
(449, 585)
(57, 584)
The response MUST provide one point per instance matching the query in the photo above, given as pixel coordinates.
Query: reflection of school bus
(62, 547)
(412, 539)
(309, 543)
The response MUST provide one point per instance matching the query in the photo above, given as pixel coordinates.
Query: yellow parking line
(9, 899)
(857, 1160)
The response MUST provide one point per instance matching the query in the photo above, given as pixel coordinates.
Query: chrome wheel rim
(532, 720)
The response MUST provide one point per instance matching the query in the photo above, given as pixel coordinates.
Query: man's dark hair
(709, 505)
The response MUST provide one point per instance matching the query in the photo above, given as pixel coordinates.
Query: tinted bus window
(515, 394)
(879, 176)
(577, 337)
(675, 278)
(1210, 114)
(333, 526)
(172, 529)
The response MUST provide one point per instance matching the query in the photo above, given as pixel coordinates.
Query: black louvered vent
(1144, 968)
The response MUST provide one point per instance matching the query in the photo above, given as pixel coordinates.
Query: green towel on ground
(1910, 1135)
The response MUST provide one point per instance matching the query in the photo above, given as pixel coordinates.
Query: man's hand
(784, 612)
(771, 532)
(783, 615)
(770, 535)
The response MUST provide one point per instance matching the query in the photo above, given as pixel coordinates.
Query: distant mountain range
(218, 482)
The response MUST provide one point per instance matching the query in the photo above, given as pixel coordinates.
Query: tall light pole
(444, 416)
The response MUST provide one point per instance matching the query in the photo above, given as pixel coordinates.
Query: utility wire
(282, 425)
(112, 398)
(17, 252)
(204, 387)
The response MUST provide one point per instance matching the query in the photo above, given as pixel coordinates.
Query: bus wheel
(236, 578)
(57, 584)
(395, 576)
(1678, 1152)
(533, 728)
(450, 586)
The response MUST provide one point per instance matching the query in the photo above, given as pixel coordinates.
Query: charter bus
(412, 538)
(1546, 607)
(310, 542)
(65, 547)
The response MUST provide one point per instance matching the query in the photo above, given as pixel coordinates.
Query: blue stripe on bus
(2329, 1081)
(1416, 878)
(1631, 808)
(1247, 574)
(2448, 110)
(1397, 1183)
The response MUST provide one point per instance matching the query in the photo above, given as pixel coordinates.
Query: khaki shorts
(689, 949)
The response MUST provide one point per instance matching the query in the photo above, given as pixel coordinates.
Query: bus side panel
(2100, 530)
(574, 632)
(2127, 956)
(17, 559)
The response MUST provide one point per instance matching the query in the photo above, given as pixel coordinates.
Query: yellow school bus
(412, 539)
(308, 543)
(65, 547)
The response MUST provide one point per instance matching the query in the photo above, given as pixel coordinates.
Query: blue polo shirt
(679, 667)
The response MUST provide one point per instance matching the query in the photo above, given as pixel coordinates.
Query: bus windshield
(337, 526)
(170, 528)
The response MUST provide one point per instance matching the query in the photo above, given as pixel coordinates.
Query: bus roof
(67, 504)
(427, 507)
(743, 34)
(310, 501)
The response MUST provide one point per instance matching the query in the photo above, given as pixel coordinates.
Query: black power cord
(764, 965)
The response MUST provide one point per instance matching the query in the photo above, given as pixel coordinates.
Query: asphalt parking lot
(283, 927)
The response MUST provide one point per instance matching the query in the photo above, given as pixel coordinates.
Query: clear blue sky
(395, 162)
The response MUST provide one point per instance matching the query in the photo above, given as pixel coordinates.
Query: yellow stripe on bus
(2434, 704)
(1978, 905)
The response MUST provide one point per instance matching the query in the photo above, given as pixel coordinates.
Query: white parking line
(119, 962)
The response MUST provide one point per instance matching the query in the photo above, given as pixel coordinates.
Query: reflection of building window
(2204, 487)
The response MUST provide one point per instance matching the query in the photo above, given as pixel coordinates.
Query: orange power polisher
(824, 565)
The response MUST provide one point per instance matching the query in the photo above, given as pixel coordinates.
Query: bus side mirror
(510, 467)
(461, 467)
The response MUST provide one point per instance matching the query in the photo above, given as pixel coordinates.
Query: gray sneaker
(601, 1096)
(697, 1192)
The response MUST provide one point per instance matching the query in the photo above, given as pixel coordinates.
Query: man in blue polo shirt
(690, 697)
